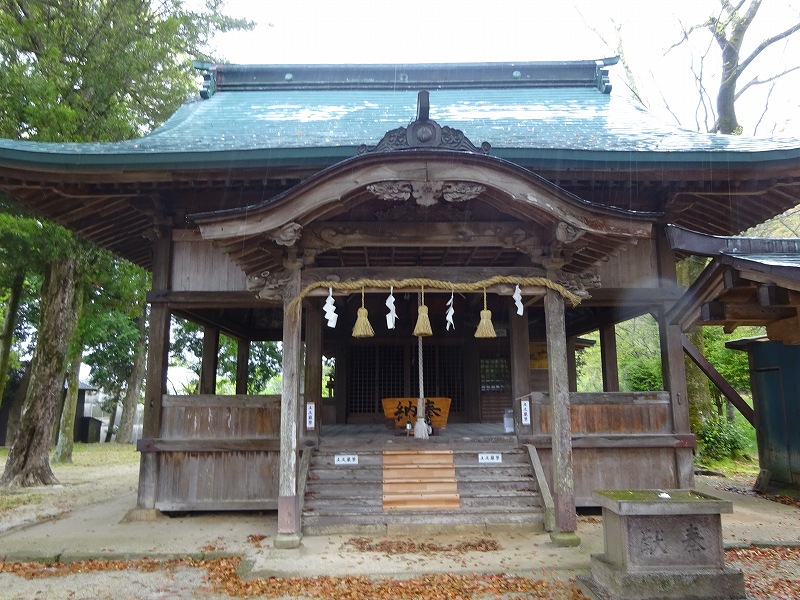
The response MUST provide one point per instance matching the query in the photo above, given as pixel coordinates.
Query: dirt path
(80, 485)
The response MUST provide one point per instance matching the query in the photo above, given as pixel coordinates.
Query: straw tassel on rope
(485, 328)
(423, 326)
(362, 328)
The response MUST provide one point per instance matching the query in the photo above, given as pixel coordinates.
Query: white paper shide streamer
(450, 312)
(391, 316)
(330, 310)
(518, 300)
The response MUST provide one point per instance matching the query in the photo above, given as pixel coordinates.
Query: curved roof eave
(334, 183)
(320, 157)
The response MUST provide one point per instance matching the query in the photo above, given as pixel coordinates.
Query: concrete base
(287, 541)
(141, 515)
(565, 539)
(716, 584)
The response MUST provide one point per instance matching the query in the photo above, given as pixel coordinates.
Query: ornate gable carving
(426, 193)
(426, 134)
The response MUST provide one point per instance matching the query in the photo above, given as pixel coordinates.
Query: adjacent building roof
(749, 281)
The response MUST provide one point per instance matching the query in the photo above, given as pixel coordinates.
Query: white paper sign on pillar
(310, 416)
(525, 410)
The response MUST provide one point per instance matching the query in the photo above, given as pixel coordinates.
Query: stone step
(379, 522)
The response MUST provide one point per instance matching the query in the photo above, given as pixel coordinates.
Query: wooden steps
(419, 480)
(349, 498)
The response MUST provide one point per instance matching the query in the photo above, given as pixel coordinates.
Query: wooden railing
(217, 453)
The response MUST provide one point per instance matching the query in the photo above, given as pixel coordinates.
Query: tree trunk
(727, 122)
(111, 419)
(9, 320)
(17, 400)
(66, 429)
(134, 385)
(28, 461)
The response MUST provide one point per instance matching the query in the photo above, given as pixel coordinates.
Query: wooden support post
(340, 381)
(608, 358)
(208, 363)
(312, 392)
(520, 355)
(242, 366)
(572, 364)
(563, 483)
(289, 534)
(157, 361)
(673, 367)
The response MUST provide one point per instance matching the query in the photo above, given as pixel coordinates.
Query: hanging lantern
(423, 327)
(362, 328)
(485, 328)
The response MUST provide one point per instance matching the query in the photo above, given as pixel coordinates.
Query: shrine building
(443, 236)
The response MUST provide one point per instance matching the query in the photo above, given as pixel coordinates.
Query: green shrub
(720, 439)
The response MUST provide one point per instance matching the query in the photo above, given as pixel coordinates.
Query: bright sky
(380, 31)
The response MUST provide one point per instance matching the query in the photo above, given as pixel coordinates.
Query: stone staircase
(419, 483)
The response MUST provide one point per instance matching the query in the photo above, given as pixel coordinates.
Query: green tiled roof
(524, 124)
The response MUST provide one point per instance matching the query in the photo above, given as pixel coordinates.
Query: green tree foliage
(186, 349)
(89, 71)
(719, 438)
(639, 355)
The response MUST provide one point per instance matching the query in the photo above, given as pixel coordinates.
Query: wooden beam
(718, 380)
(772, 295)
(520, 354)
(242, 365)
(608, 358)
(157, 360)
(288, 516)
(209, 360)
(562, 475)
(718, 312)
(312, 394)
(332, 234)
(672, 366)
(147, 445)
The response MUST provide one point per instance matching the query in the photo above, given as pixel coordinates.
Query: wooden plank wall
(608, 468)
(632, 267)
(217, 453)
(619, 440)
(608, 413)
(198, 266)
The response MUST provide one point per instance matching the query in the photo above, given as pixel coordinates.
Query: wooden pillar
(289, 534)
(608, 358)
(157, 361)
(572, 364)
(520, 355)
(673, 368)
(242, 366)
(563, 483)
(312, 393)
(210, 358)
(472, 380)
(340, 380)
